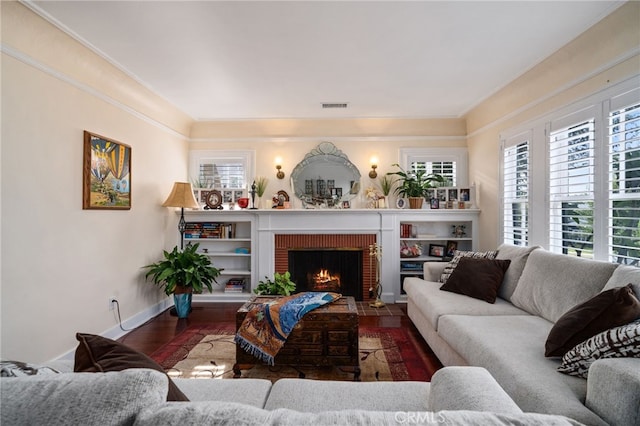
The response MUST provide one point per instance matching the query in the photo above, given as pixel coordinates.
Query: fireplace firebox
(327, 269)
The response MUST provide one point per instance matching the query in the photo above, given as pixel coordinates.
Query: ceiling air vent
(334, 105)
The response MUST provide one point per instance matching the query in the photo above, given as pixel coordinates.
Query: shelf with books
(229, 243)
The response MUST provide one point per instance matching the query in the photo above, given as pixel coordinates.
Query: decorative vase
(415, 202)
(182, 301)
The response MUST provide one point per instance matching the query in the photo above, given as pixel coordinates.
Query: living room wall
(601, 57)
(60, 263)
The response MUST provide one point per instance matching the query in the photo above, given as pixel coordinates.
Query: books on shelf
(209, 230)
(235, 285)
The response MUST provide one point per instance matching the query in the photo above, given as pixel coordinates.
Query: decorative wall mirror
(325, 177)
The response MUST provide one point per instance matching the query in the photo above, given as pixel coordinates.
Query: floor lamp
(181, 196)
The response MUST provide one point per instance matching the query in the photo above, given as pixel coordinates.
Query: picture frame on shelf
(106, 174)
(452, 246)
(436, 250)
(434, 203)
(465, 194)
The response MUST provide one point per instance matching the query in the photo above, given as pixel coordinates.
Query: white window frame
(598, 105)
(246, 157)
(507, 143)
(457, 155)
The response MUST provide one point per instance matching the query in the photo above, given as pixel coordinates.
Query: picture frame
(434, 203)
(106, 173)
(346, 204)
(452, 246)
(436, 250)
(465, 194)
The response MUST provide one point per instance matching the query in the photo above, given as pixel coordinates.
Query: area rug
(386, 354)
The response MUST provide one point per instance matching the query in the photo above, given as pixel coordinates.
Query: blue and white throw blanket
(267, 325)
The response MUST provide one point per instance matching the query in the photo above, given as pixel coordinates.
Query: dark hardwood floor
(160, 330)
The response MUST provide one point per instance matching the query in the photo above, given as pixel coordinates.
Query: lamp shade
(181, 196)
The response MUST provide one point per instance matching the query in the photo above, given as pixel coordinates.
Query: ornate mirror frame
(325, 177)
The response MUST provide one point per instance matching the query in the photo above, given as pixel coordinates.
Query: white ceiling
(266, 59)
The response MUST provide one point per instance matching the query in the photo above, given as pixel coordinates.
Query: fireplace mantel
(383, 223)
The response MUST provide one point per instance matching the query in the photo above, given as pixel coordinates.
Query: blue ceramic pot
(183, 304)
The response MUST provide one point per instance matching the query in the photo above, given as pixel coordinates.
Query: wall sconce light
(280, 173)
(374, 165)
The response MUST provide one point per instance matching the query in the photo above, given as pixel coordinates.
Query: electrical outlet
(112, 303)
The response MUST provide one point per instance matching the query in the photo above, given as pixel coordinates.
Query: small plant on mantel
(415, 185)
(280, 285)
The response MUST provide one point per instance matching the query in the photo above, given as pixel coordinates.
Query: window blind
(447, 169)
(624, 185)
(222, 173)
(516, 194)
(571, 189)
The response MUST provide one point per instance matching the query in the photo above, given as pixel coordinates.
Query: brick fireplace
(346, 242)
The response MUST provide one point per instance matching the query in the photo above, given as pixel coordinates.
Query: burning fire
(324, 280)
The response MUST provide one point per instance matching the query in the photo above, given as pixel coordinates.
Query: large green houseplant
(181, 273)
(414, 185)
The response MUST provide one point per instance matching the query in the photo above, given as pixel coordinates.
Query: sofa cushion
(469, 388)
(518, 257)
(552, 283)
(112, 398)
(623, 275)
(100, 354)
(608, 309)
(333, 395)
(434, 303)
(511, 349)
(613, 390)
(252, 392)
(477, 278)
(460, 254)
(200, 413)
(618, 342)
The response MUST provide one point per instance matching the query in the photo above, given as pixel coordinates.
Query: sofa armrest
(433, 270)
(469, 388)
(613, 390)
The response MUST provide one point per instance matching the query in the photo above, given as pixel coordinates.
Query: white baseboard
(129, 324)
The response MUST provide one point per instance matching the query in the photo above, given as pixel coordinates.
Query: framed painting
(106, 174)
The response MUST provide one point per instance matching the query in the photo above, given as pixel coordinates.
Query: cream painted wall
(60, 264)
(604, 55)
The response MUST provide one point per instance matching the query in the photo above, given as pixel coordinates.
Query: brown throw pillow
(477, 278)
(99, 354)
(611, 308)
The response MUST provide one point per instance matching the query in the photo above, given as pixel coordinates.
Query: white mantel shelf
(384, 223)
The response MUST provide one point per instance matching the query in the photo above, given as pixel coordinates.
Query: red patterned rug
(386, 354)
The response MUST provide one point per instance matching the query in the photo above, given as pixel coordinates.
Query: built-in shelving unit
(256, 230)
(228, 239)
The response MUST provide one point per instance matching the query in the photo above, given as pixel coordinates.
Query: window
(585, 201)
(571, 189)
(221, 169)
(448, 162)
(515, 184)
(623, 232)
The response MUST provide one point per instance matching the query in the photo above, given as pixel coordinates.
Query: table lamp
(181, 196)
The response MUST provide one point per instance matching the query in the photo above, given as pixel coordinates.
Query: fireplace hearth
(327, 269)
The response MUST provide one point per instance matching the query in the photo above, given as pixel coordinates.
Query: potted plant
(414, 186)
(281, 285)
(181, 273)
(261, 186)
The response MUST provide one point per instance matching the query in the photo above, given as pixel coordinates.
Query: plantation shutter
(571, 188)
(447, 169)
(624, 184)
(515, 181)
(222, 173)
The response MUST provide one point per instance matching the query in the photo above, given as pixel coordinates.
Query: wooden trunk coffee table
(326, 336)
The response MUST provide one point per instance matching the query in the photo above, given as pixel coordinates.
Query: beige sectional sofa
(508, 337)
